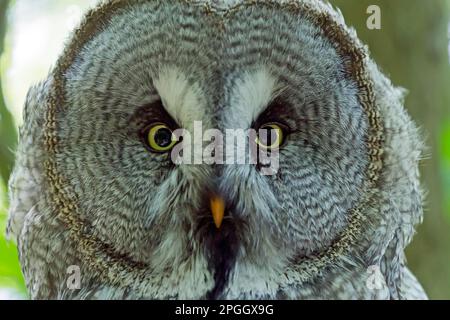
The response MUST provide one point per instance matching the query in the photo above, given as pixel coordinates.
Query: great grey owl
(95, 186)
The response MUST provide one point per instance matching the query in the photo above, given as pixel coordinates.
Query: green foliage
(10, 274)
(8, 133)
(445, 163)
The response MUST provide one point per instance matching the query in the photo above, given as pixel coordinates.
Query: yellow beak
(217, 209)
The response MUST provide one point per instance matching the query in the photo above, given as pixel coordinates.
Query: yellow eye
(160, 138)
(270, 136)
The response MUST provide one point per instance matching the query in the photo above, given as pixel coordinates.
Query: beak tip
(218, 224)
(217, 210)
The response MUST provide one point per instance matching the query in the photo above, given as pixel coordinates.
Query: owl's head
(136, 71)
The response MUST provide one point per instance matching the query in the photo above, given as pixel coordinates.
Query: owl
(96, 189)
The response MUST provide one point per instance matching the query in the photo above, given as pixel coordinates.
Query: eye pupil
(163, 137)
(159, 137)
(270, 136)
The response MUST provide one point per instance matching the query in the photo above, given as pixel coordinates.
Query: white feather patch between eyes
(251, 95)
(181, 98)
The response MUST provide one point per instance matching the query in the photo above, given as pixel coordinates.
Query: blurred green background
(412, 47)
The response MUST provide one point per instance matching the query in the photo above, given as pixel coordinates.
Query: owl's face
(157, 66)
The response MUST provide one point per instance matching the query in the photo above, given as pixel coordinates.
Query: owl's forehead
(202, 61)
